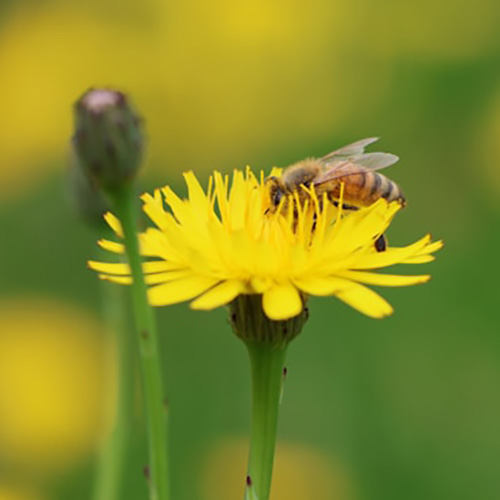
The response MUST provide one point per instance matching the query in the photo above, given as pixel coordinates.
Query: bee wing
(375, 161)
(368, 161)
(335, 171)
(355, 149)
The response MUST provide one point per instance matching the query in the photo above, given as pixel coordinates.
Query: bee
(349, 166)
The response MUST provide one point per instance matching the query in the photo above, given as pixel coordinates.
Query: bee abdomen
(385, 188)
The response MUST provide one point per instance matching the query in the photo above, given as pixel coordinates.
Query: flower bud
(108, 139)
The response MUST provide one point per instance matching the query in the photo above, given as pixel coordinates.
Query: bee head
(277, 190)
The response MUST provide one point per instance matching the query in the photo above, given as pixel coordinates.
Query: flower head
(219, 244)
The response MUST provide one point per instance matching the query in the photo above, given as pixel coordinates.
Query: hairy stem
(147, 339)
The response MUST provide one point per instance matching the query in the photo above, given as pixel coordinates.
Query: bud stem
(123, 203)
(114, 451)
(267, 362)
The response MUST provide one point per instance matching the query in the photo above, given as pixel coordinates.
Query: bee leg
(381, 243)
(345, 206)
(314, 223)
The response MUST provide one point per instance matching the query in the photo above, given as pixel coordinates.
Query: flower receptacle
(250, 323)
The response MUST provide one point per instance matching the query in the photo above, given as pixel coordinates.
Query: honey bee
(349, 166)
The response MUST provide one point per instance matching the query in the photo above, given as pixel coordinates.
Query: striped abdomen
(363, 187)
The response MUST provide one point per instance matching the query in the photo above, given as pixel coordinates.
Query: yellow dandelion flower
(223, 242)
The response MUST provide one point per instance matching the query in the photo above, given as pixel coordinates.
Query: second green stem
(152, 382)
(115, 449)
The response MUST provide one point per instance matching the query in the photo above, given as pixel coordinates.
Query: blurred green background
(403, 408)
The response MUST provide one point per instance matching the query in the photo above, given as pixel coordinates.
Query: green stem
(267, 363)
(115, 449)
(147, 336)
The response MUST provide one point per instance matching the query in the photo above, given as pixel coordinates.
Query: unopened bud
(108, 139)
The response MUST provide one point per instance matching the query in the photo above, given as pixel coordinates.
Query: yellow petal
(259, 284)
(237, 202)
(180, 290)
(219, 295)
(111, 246)
(282, 302)
(384, 279)
(419, 259)
(153, 207)
(153, 243)
(391, 256)
(120, 280)
(365, 301)
(114, 224)
(157, 278)
(432, 247)
(179, 207)
(358, 228)
(322, 286)
(109, 268)
(152, 198)
(197, 196)
(159, 266)
(221, 188)
(123, 269)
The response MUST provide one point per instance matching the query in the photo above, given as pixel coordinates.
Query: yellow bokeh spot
(49, 57)
(8, 492)
(216, 82)
(51, 384)
(301, 472)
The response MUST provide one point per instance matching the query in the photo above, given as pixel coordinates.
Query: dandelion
(223, 243)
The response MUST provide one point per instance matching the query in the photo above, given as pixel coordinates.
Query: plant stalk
(124, 204)
(267, 364)
(114, 451)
